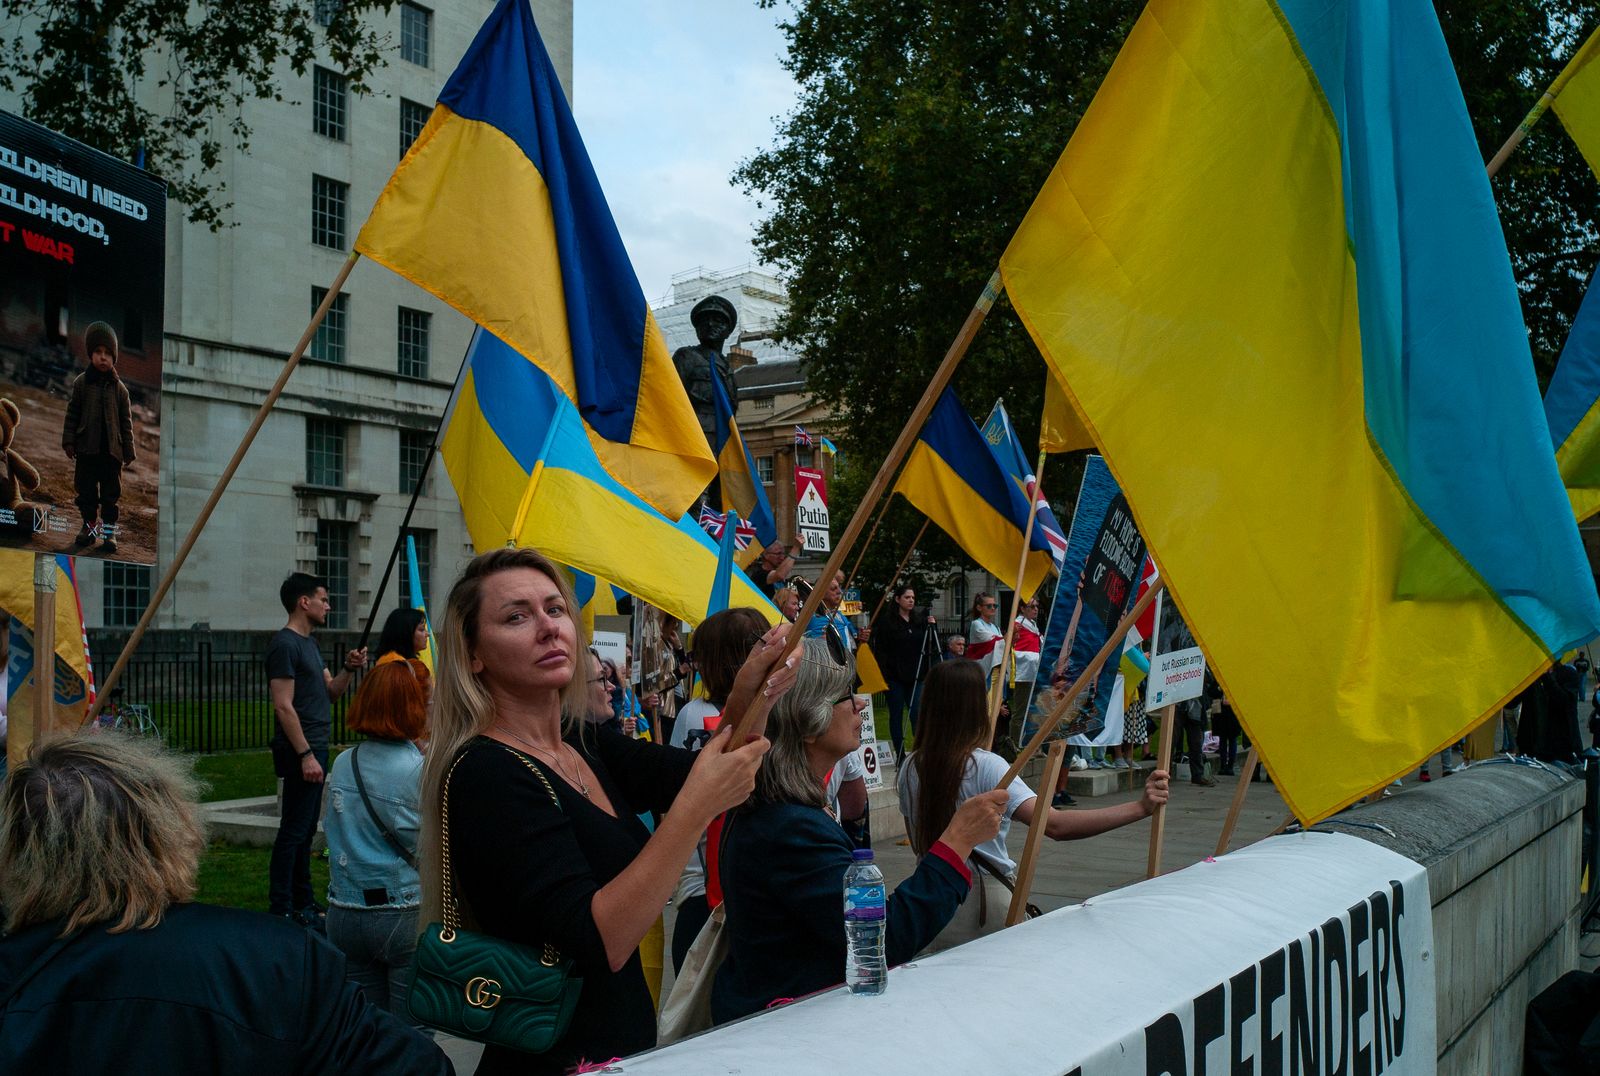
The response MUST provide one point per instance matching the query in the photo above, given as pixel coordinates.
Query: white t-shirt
(846, 769)
(983, 773)
(691, 718)
(1027, 660)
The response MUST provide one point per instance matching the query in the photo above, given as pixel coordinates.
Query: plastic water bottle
(866, 969)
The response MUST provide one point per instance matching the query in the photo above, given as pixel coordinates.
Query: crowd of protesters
(524, 761)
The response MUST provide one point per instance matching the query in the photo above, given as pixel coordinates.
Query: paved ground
(1069, 873)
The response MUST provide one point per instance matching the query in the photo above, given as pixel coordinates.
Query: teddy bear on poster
(18, 477)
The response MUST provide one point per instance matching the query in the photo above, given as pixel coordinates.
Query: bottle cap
(861, 855)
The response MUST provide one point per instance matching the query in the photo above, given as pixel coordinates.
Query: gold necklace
(573, 779)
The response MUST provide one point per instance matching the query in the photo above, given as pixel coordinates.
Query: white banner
(1175, 677)
(1308, 953)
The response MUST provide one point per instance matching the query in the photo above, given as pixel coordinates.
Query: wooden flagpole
(1251, 759)
(997, 691)
(221, 487)
(1030, 847)
(1158, 826)
(1066, 701)
(898, 571)
(1546, 99)
(44, 645)
(862, 554)
(880, 485)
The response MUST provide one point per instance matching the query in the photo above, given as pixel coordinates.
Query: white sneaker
(1078, 763)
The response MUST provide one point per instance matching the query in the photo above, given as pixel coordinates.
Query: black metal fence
(208, 691)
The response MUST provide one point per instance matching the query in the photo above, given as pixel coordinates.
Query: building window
(413, 341)
(328, 343)
(413, 118)
(802, 457)
(325, 442)
(329, 203)
(333, 566)
(414, 445)
(330, 94)
(416, 34)
(958, 596)
(325, 11)
(125, 589)
(762, 403)
(424, 540)
(764, 469)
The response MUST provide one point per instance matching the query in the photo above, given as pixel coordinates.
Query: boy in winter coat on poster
(98, 437)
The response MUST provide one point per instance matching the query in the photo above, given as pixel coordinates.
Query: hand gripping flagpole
(880, 485)
(221, 487)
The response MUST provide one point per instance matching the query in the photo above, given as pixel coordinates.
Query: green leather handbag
(484, 988)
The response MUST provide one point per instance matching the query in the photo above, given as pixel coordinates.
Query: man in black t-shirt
(302, 695)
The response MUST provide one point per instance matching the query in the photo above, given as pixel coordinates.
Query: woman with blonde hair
(952, 764)
(784, 855)
(544, 838)
(106, 964)
(374, 793)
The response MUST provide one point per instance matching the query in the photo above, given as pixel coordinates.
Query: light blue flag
(722, 582)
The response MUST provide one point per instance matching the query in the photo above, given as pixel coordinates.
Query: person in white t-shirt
(951, 765)
(846, 795)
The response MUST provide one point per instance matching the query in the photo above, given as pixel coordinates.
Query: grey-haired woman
(784, 856)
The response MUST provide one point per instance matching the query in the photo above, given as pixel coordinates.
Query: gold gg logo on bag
(481, 993)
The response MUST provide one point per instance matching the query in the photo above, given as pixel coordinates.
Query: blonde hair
(462, 708)
(805, 711)
(98, 827)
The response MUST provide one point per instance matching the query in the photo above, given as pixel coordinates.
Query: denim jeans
(377, 944)
(289, 870)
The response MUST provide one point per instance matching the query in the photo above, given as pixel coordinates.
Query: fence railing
(204, 699)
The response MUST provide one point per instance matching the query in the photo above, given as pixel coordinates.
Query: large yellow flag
(1269, 272)
(1575, 96)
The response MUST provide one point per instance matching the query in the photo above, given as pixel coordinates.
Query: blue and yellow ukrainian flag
(1269, 272)
(742, 491)
(1575, 96)
(1572, 407)
(953, 478)
(414, 575)
(1003, 441)
(515, 449)
(496, 210)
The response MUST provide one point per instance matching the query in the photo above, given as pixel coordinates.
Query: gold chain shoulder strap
(451, 910)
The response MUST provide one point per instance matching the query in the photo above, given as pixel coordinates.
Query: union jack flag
(713, 522)
(801, 437)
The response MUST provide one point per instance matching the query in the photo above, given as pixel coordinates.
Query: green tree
(922, 132)
(168, 79)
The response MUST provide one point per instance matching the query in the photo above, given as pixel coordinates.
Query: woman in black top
(905, 647)
(585, 876)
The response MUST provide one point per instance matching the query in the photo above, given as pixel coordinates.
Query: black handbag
(484, 988)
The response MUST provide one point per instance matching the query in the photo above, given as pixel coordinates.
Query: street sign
(811, 509)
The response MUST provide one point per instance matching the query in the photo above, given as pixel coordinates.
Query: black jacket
(209, 990)
(898, 644)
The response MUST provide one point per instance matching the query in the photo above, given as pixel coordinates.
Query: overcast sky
(670, 98)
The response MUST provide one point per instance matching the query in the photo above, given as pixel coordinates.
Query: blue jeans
(903, 699)
(377, 944)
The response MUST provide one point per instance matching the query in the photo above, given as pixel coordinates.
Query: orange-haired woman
(372, 823)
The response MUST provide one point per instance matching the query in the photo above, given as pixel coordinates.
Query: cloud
(669, 101)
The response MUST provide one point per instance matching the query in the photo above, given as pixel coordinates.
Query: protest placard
(82, 254)
(811, 509)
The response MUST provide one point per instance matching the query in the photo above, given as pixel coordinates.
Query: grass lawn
(236, 775)
(235, 876)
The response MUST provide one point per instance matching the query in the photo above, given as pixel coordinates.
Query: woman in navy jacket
(784, 856)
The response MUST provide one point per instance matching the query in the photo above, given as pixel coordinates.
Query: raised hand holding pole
(880, 484)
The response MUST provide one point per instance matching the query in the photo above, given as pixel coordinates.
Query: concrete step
(1105, 782)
